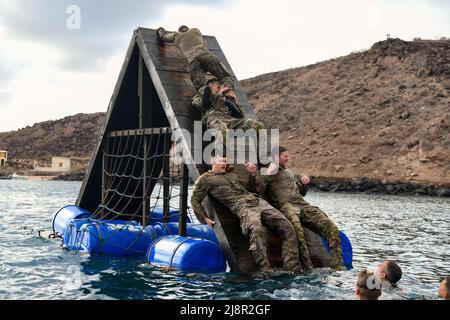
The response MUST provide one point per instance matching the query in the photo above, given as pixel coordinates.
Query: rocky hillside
(383, 114)
(72, 136)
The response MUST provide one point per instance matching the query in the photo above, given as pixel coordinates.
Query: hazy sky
(54, 63)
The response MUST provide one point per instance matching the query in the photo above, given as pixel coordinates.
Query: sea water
(414, 231)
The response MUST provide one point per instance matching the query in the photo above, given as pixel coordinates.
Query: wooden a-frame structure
(153, 96)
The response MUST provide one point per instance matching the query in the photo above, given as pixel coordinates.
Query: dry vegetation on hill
(383, 113)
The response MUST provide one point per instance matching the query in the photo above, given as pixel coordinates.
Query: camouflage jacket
(280, 188)
(189, 43)
(227, 188)
(218, 108)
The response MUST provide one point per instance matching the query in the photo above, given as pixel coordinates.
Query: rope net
(139, 178)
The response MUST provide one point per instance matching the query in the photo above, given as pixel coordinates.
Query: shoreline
(327, 184)
(368, 186)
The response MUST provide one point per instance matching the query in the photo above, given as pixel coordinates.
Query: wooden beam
(183, 200)
(140, 132)
(166, 187)
(104, 175)
(145, 121)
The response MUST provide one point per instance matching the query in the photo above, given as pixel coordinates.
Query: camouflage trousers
(317, 221)
(208, 62)
(256, 213)
(227, 122)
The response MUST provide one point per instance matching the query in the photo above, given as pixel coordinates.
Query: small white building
(59, 165)
(3, 158)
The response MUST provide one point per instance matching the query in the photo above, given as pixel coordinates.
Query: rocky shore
(365, 185)
(73, 176)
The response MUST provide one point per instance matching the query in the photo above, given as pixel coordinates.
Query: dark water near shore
(415, 231)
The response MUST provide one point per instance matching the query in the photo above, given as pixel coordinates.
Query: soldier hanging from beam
(220, 111)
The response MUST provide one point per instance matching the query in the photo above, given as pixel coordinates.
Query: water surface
(415, 231)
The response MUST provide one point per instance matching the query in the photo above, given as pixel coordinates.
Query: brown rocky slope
(382, 114)
(72, 136)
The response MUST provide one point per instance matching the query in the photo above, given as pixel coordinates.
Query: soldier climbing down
(220, 110)
(200, 59)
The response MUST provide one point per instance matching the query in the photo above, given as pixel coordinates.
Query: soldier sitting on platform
(220, 110)
(253, 212)
(200, 59)
(285, 193)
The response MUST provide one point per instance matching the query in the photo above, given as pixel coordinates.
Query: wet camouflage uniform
(253, 213)
(200, 59)
(286, 193)
(219, 116)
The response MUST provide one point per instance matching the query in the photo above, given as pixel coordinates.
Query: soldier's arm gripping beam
(198, 195)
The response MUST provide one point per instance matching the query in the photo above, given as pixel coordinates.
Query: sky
(63, 57)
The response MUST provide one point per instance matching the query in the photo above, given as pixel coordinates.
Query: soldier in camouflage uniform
(200, 58)
(253, 213)
(286, 193)
(220, 110)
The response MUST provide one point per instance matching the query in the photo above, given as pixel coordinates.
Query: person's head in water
(368, 287)
(390, 271)
(214, 84)
(219, 163)
(444, 288)
(183, 28)
(281, 156)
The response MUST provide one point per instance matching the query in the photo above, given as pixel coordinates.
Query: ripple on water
(412, 230)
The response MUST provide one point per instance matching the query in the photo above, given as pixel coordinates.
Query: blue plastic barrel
(187, 254)
(347, 251)
(64, 216)
(157, 215)
(127, 239)
(194, 230)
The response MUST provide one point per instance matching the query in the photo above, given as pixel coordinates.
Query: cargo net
(140, 180)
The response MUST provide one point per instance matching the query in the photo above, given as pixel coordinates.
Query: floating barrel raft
(187, 254)
(132, 175)
(65, 216)
(105, 238)
(199, 251)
